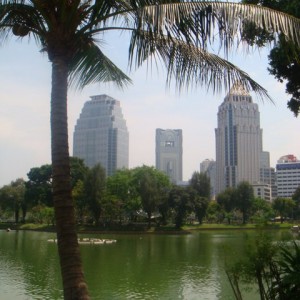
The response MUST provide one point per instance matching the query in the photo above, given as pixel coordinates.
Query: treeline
(239, 205)
(139, 195)
(142, 194)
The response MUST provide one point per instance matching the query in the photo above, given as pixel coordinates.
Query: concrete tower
(169, 153)
(238, 140)
(101, 134)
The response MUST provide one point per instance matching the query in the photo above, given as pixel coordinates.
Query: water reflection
(29, 267)
(136, 267)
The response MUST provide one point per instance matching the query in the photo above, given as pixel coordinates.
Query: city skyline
(25, 113)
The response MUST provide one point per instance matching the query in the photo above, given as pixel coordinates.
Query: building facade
(238, 140)
(168, 153)
(267, 176)
(287, 175)
(262, 191)
(101, 134)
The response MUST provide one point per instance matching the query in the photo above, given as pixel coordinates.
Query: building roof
(238, 90)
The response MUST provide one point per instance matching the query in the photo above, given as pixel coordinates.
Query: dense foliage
(284, 58)
(142, 195)
(271, 268)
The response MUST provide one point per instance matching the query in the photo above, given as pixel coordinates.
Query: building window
(169, 143)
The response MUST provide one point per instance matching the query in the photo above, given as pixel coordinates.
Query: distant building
(208, 166)
(262, 191)
(168, 152)
(238, 140)
(101, 134)
(287, 175)
(267, 174)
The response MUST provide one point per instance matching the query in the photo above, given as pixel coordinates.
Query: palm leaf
(206, 17)
(189, 65)
(90, 65)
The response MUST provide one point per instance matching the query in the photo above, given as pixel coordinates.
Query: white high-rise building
(168, 152)
(238, 140)
(287, 175)
(101, 134)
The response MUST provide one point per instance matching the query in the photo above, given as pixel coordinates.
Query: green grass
(33, 226)
(237, 226)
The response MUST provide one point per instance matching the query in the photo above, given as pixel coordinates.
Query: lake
(137, 266)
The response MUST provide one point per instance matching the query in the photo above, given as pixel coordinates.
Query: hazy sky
(146, 105)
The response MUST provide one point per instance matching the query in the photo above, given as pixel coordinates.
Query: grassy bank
(142, 228)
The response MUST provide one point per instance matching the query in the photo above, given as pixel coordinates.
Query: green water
(136, 267)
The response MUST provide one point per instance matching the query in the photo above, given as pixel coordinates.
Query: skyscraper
(287, 175)
(169, 153)
(238, 140)
(101, 134)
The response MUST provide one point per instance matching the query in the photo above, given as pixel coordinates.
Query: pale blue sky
(147, 105)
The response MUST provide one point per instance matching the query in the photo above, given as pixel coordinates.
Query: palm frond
(22, 19)
(90, 65)
(189, 65)
(206, 19)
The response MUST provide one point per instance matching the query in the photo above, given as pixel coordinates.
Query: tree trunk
(17, 215)
(74, 285)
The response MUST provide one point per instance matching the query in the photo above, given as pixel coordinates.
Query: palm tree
(177, 33)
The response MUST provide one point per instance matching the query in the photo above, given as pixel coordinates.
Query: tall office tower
(101, 134)
(208, 166)
(238, 140)
(169, 153)
(287, 175)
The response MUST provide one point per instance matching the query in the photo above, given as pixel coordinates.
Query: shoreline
(143, 230)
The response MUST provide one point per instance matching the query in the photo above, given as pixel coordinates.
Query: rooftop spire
(238, 90)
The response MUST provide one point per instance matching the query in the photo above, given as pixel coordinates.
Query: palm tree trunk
(70, 261)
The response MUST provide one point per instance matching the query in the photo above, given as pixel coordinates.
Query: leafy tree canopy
(39, 186)
(150, 184)
(284, 58)
(201, 183)
(244, 198)
(12, 198)
(94, 190)
(78, 170)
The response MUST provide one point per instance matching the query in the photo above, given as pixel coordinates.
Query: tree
(227, 200)
(284, 57)
(94, 191)
(78, 170)
(79, 200)
(200, 182)
(244, 198)
(284, 207)
(177, 33)
(296, 198)
(214, 212)
(180, 202)
(150, 185)
(12, 198)
(121, 188)
(273, 269)
(39, 186)
(261, 211)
